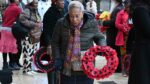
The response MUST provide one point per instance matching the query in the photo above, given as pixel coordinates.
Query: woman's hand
(49, 51)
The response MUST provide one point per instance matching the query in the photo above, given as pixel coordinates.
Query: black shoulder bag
(19, 30)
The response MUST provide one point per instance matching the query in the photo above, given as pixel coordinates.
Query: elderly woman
(73, 35)
(31, 19)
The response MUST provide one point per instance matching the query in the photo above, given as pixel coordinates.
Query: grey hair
(75, 4)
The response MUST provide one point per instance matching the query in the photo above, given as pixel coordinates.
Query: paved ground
(40, 78)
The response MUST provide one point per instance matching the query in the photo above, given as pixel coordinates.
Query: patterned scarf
(73, 51)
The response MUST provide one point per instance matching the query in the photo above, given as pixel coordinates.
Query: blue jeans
(76, 79)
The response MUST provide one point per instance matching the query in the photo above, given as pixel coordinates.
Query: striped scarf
(73, 51)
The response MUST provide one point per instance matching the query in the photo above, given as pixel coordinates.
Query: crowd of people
(68, 29)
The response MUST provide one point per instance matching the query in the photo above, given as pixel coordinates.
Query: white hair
(75, 4)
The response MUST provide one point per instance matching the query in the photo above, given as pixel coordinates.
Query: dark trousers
(51, 76)
(11, 57)
(117, 48)
(18, 54)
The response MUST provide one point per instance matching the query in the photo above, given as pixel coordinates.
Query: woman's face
(75, 16)
(35, 4)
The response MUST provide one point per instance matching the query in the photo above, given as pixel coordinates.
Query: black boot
(5, 66)
(14, 66)
(19, 65)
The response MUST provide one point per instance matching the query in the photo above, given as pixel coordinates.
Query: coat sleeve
(18, 11)
(99, 38)
(24, 18)
(119, 23)
(48, 25)
(141, 19)
(56, 40)
(130, 41)
(45, 38)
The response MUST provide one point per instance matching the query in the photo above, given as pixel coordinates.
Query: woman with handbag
(31, 19)
(7, 41)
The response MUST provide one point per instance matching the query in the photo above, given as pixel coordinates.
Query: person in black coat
(140, 60)
(112, 30)
(51, 16)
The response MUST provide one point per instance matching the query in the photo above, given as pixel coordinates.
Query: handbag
(19, 30)
(77, 64)
(35, 35)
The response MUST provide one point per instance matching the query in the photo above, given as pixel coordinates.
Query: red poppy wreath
(89, 57)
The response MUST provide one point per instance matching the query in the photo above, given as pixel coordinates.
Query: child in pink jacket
(123, 27)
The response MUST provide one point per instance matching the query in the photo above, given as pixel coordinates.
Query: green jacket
(89, 34)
